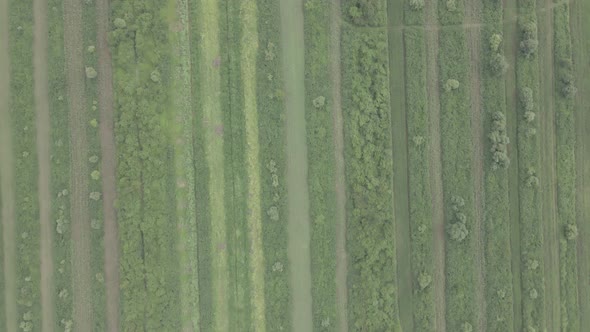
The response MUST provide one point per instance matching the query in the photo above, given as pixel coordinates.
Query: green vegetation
(371, 237)
(148, 265)
(566, 169)
(451, 12)
(371, 13)
(321, 163)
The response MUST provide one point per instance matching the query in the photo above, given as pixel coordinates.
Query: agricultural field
(294, 165)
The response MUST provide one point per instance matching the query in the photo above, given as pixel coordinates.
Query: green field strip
(208, 23)
(566, 141)
(497, 223)
(79, 198)
(95, 208)
(60, 168)
(27, 230)
(580, 25)
(293, 61)
(184, 169)
(548, 176)
(8, 319)
(510, 46)
(319, 109)
(400, 153)
(528, 141)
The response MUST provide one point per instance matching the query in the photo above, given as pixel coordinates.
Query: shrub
(457, 231)
(571, 231)
(526, 99)
(495, 42)
(91, 72)
(120, 23)
(424, 280)
(451, 84)
(498, 64)
(416, 4)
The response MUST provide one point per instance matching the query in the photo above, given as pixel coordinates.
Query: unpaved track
(296, 145)
(108, 164)
(338, 133)
(438, 220)
(80, 223)
(473, 12)
(41, 87)
(7, 179)
(548, 169)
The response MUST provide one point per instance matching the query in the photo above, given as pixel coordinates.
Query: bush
(571, 232)
(91, 72)
(498, 64)
(416, 4)
(451, 84)
(495, 42)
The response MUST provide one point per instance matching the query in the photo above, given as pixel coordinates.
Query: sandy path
(108, 164)
(341, 256)
(41, 87)
(438, 222)
(473, 11)
(80, 223)
(6, 178)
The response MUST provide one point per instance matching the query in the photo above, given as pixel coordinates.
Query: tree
(529, 116)
(528, 47)
(451, 5)
(120, 23)
(495, 42)
(319, 102)
(457, 231)
(526, 99)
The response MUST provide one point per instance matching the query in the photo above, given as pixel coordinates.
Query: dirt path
(41, 87)
(108, 164)
(473, 11)
(6, 179)
(298, 196)
(341, 256)
(581, 47)
(548, 169)
(80, 223)
(438, 221)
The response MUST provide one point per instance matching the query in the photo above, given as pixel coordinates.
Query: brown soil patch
(341, 256)
(41, 89)
(438, 220)
(107, 145)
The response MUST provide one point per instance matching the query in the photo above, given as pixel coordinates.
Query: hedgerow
(148, 262)
(22, 111)
(321, 162)
(371, 237)
(498, 270)
(566, 169)
(365, 13)
(457, 180)
(419, 145)
(271, 112)
(527, 82)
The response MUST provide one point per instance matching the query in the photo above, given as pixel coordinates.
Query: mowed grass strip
(184, 169)
(249, 49)
(321, 167)
(212, 121)
(567, 230)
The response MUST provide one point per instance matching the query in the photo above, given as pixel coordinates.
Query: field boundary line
(473, 11)
(7, 185)
(41, 88)
(340, 182)
(438, 220)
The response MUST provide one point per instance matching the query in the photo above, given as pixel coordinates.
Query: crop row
(321, 182)
(370, 228)
(148, 264)
(527, 82)
(498, 271)
(60, 168)
(271, 113)
(566, 169)
(22, 112)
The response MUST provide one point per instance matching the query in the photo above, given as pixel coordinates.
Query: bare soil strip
(581, 47)
(548, 169)
(108, 164)
(298, 197)
(338, 133)
(41, 87)
(473, 11)
(7, 178)
(80, 223)
(438, 221)
(511, 51)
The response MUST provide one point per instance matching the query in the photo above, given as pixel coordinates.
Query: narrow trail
(438, 222)
(81, 273)
(473, 11)
(338, 133)
(548, 170)
(41, 88)
(6, 179)
(296, 144)
(108, 164)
